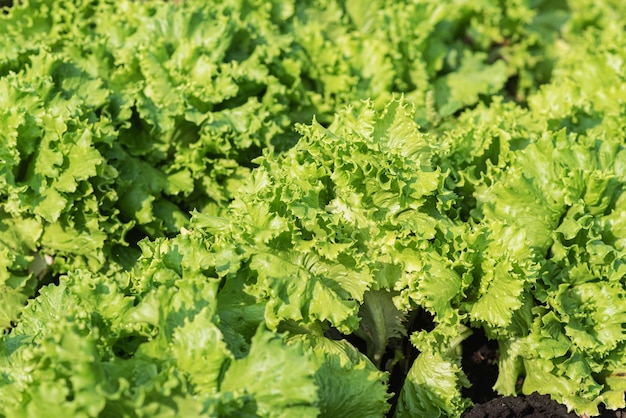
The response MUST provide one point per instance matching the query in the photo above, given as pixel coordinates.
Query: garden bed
(284, 208)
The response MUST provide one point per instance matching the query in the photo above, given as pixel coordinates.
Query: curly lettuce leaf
(292, 391)
(433, 385)
(320, 225)
(349, 383)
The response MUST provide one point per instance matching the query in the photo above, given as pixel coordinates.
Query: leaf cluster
(177, 238)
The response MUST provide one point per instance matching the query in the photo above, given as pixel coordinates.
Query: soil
(533, 406)
(480, 365)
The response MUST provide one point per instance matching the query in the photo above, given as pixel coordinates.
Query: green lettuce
(157, 352)
(174, 240)
(119, 119)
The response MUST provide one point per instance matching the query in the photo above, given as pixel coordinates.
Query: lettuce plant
(238, 208)
(120, 118)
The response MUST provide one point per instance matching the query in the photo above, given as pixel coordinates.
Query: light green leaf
(303, 287)
(474, 78)
(200, 352)
(349, 384)
(278, 379)
(501, 295)
(431, 388)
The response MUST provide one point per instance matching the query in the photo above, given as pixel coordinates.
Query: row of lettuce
(201, 252)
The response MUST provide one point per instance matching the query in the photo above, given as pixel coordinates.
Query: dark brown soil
(480, 365)
(532, 406)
